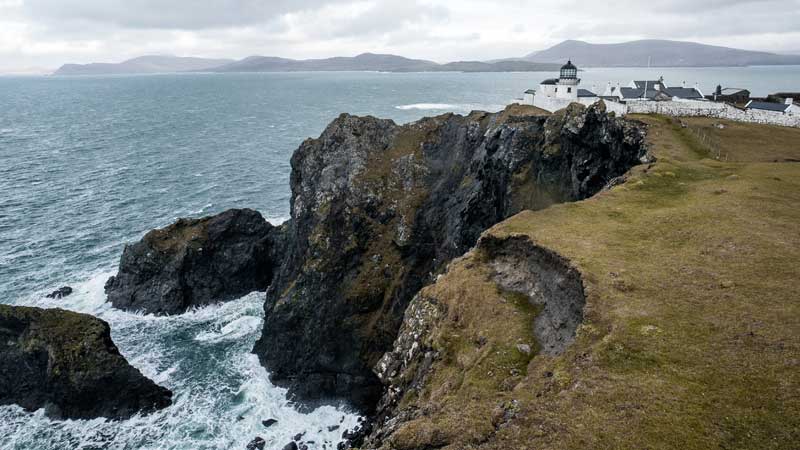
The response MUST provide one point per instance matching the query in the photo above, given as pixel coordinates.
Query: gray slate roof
(586, 93)
(768, 106)
(639, 93)
(643, 83)
(550, 81)
(682, 92)
(732, 91)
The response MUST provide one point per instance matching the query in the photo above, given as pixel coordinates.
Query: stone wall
(693, 108)
(554, 104)
(679, 108)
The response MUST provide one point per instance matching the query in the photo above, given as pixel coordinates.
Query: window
(569, 90)
(556, 89)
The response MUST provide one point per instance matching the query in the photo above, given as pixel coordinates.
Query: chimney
(683, 84)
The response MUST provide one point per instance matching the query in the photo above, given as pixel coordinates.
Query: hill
(378, 63)
(657, 53)
(143, 65)
(364, 62)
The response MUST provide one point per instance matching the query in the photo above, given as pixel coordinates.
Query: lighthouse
(566, 86)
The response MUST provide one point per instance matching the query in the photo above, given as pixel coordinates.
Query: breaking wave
(454, 107)
(221, 392)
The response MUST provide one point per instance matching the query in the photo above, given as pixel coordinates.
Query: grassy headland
(691, 331)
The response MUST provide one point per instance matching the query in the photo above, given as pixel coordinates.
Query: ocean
(90, 163)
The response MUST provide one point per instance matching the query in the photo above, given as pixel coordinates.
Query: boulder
(269, 422)
(196, 262)
(66, 363)
(257, 444)
(379, 209)
(60, 292)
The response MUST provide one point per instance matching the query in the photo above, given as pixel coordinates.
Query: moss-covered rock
(66, 363)
(194, 262)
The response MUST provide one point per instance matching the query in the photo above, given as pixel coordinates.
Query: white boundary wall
(554, 104)
(678, 108)
(694, 108)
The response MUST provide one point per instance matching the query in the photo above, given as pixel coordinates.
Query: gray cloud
(171, 14)
(52, 32)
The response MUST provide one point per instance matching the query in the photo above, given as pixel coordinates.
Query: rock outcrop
(379, 209)
(535, 278)
(195, 262)
(66, 363)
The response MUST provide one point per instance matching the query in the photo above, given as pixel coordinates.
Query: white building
(652, 90)
(557, 93)
(788, 108)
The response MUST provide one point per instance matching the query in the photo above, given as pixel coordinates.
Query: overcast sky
(48, 33)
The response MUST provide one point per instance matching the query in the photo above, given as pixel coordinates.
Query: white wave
(452, 107)
(277, 220)
(430, 106)
(237, 329)
(221, 392)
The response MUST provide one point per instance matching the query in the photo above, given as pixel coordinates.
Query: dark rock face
(257, 444)
(60, 292)
(379, 209)
(66, 363)
(195, 262)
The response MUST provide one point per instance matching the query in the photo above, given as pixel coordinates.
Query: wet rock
(60, 292)
(379, 209)
(333, 428)
(66, 363)
(303, 447)
(196, 262)
(299, 436)
(291, 446)
(256, 444)
(269, 422)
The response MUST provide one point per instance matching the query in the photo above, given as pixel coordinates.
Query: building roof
(733, 91)
(530, 91)
(682, 92)
(569, 66)
(768, 106)
(651, 94)
(550, 81)
(586, 93)
(649, 83)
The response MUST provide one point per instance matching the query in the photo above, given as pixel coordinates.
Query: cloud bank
(47, 33)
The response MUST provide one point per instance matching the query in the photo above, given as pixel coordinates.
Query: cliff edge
(379, 209)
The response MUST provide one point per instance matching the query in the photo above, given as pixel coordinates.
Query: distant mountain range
(363, 62)
(655, 53)
(143, 64)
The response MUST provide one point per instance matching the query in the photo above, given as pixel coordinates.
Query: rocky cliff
(194, 262)
(531, 303)
(66, 363)
(379, 209)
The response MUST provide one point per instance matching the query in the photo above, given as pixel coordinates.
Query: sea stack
(196, 262)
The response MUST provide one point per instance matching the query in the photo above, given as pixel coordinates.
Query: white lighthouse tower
(557, 93)
(567, 85)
